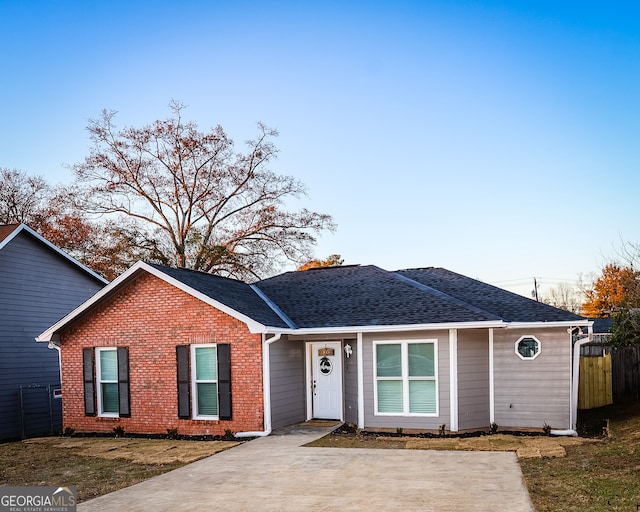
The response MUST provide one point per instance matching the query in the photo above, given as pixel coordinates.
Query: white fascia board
(538, 325)
(389, 328)
(43, 240)
(11, 236)
(254, 327)
(51, 333)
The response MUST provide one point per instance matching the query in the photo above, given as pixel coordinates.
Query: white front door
(326, 380)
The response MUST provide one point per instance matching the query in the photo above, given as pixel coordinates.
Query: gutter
(266, 387)
(53, 346)
(303, 331)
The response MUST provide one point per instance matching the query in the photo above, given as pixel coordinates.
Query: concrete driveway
(277, 473)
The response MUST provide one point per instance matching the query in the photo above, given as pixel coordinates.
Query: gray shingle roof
(230, 292)
(506, 305)
(362, 295)
(351, 296)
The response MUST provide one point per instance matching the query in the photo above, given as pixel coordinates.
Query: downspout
(453, 379)
(360, 355)
(53, 346)
(492, 390)
(575, 384)
(266, 387)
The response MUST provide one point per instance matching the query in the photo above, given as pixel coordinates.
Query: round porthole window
(528, 347)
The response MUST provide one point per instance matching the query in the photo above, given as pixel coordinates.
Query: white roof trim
(538, 325)
(490, 324)
(51, 332)
(256, 327)
(389, 328)
(40, 238)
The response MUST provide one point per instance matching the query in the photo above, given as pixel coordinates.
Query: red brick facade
(151, 317)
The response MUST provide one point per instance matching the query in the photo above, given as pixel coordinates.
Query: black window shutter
(184, 386)
(224, 381)
(89, 384)
(124, 407)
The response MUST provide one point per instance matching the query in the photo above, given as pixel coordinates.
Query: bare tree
(22, 197)
(629, 253)
(50, 211)
(564, 296)
(190, 201)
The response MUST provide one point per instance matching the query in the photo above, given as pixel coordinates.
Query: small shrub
(118, 431)
(229, 435)
(399, 431)
(68, 432)
(172, 433)
(493, 428)
(442, 429)
(546, 428)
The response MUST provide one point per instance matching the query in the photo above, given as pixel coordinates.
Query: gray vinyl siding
(407, 422)
(37, 288)
(530, 393)
(287, 382)
(350, 376)
(473, 379)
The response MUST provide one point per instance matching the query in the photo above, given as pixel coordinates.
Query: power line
(540, 279)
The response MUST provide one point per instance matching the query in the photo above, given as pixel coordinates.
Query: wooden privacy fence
(595, 387)
(626, 373)
(608, 375)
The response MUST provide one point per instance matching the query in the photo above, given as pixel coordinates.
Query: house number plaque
(326, 352)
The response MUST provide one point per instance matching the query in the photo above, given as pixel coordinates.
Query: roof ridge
(194, 271)
(446, 296)
(274, 307)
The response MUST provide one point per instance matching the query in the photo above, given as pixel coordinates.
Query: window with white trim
(107, 381)
(406, 378)
(528, 347)
(204, 364)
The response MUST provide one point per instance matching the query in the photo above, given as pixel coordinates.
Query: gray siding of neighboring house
(371, 420)
(350, 376)
(287, 382)
(530, 393)
(473, 379)
(37, 288)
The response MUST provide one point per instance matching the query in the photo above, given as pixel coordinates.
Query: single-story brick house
(163, 348)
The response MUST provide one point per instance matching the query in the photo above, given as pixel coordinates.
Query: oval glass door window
(326, 367)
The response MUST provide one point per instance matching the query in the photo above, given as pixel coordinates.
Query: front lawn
(598, 477)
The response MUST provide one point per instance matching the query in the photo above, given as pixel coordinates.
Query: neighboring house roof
(9, 231)
(6, 230)
(347, 297)
(602, 325)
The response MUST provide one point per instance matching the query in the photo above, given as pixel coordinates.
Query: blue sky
(498, 139)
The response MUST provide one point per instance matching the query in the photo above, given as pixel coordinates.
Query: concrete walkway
(277, 473)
